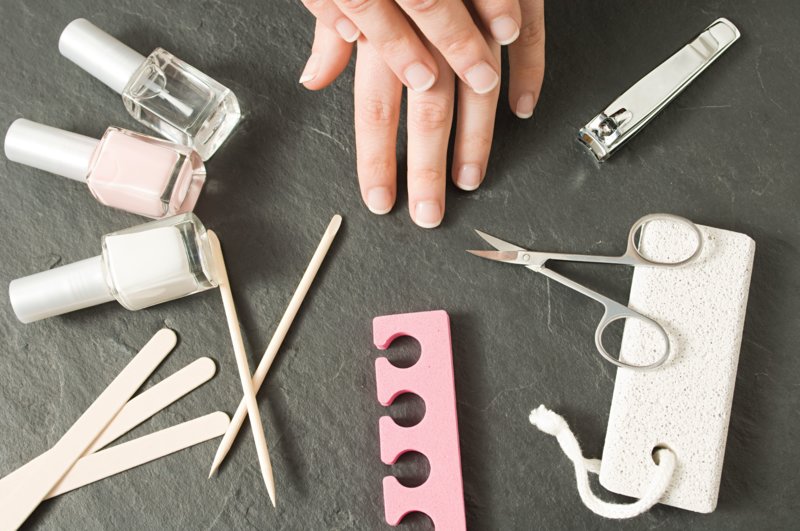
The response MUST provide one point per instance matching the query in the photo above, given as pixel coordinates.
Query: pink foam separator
(441, 497)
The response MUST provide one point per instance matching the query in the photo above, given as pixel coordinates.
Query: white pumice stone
(684, 405)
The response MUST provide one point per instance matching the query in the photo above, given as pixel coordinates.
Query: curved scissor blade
(497, 243)
(509, 257)
(525, 258)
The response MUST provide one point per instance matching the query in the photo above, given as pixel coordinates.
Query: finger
(474, 131)
(450, 27)
(329, 14)
(377, 96)
(430, 115)
(390, 32)
(329, 57)
(526, 60)
(502, 18)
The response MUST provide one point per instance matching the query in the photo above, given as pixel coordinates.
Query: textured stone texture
(724, 155)
(684, 405)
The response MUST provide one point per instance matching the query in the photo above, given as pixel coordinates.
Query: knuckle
(528, 77)
(427, 175)
(394, 45)
(376, 168)
(420, 6)
(531, 35)
(356, 6)
(314, 6)
(428, 115)
(477, 143)
(458, 42)
(377, 111)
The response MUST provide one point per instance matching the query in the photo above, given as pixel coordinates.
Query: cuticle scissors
(536, 260)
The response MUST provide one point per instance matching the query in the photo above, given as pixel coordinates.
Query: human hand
(390, 26)
(377, 108)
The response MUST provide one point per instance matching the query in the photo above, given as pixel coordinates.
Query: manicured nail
(311, 69)
(419, 77)
(379, 200)
(524, 108)
(347, 30)
(469, 177)
(504, 30)
(428, 214)
(482, 78)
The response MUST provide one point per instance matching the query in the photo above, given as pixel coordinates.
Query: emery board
(684, 405)
(149, 402)
(128, 455)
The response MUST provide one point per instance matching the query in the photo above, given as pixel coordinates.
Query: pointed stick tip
(214, 468)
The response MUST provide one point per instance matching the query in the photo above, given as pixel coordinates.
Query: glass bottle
(139, 267)
(125, 170)
(160, 91)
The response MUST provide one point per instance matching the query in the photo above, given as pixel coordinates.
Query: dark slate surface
(724, 154)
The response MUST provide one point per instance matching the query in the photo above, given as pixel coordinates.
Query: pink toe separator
(441, 497)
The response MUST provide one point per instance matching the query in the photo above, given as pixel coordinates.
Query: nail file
(23, 490)
(151, 401)
(441, 497)
(125, 456)
(685, 404)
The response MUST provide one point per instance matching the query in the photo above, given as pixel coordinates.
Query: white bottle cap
(99, 53)
(60, 290)
(50, 149)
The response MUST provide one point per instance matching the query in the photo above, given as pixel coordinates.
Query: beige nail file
(147, 448)
(148, 403)
(23, 490)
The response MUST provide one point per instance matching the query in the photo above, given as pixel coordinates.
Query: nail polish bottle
(139, 267)
(125, 170)
(161, 91)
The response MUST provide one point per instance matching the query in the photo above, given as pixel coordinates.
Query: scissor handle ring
(609, 318)
(640, 259)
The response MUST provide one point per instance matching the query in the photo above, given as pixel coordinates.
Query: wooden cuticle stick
(277, 339)
(242, 365)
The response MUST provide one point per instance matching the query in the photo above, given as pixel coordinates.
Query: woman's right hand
(449, 27)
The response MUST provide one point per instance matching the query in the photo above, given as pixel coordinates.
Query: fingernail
(427, 214)
(347, 30)
(482, 78)
(379, 200)
(311, 69)
(469, 177)
(419, 77)
(504, 30)
(524, 107)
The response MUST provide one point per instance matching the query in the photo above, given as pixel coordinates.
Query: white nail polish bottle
(139, 267)
(160, 91)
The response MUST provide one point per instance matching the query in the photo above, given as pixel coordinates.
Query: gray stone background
(725, 153)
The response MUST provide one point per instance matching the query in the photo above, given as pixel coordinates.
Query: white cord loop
(555, 425)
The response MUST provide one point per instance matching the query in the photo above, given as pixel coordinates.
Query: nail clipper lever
(626, 115)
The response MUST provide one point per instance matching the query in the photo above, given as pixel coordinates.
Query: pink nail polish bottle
(126, 170)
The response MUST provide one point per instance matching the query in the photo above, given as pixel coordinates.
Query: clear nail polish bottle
(161, 91)
(125, 170)
(139, 267)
